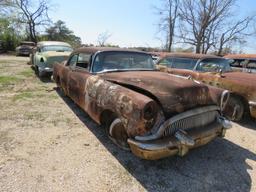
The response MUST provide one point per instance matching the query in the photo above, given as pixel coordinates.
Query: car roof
(93, 50)
(241, 56)
(189, 55)
(45, 43)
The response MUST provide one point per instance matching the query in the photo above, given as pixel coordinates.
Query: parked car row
(153, 108)
(216, 71)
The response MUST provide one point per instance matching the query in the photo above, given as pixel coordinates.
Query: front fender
(131, 107)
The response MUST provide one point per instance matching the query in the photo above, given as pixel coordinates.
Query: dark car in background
(25, 48)
(216, 71)
(151, 113)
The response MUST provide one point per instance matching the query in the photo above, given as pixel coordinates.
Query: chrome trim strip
(252, 103)
(224, 101)
(178, 117)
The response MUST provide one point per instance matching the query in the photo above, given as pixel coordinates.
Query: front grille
(195, 121)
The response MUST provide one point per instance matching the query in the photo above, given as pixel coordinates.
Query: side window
(38, 49)
(72, 61)
(83, 60)
(235, 63)
(166, 62)
(251, 64)
(181, 63)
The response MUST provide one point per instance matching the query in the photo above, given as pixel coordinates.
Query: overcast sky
(131, 22)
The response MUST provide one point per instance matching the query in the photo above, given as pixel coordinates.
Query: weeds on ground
(7, 80)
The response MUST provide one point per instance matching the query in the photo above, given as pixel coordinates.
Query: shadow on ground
(248, 122)
(218, 166)
(45, 79)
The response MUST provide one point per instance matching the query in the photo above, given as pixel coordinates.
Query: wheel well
(106, 117)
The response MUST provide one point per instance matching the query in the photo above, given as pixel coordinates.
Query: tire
(36, 70)
(117, 133)
(235, 109)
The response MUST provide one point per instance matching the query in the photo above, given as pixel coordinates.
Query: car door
(64, 78)
(206, 75)
(78, 77)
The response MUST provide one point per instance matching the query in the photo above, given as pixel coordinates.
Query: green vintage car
(46, 53)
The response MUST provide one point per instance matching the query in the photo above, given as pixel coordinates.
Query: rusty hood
(174, 94)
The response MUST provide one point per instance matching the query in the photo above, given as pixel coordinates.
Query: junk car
(46, 53)
(151, 113)
(25, 48)
(216, 71)
(243, 62)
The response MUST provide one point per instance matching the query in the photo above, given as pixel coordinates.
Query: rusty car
(25, 48)
(216, 71)
(46, 53)
(242, 62)
(151, 113)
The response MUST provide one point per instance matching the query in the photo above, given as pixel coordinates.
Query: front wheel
(117, 133)
(234, 109)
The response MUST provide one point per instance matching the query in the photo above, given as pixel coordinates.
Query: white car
(46, 53)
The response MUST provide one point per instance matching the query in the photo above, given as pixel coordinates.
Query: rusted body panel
(144, 101)
(174, 97)
(238, 83)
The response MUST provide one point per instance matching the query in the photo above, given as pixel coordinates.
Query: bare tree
(103, 37)
(233, 32)
(199, 19)
(33, 15)
(169, 14)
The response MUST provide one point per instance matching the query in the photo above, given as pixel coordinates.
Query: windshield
(58, 48)
(213, 65)
(122, 61)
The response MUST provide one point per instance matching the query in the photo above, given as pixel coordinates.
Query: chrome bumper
(46, 69)
(252, 106)
(180, 143)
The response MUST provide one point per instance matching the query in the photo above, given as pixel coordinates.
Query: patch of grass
(7, 80)
(27, 73)
(23, 95)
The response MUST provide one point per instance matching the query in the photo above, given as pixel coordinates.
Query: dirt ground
(48, 144)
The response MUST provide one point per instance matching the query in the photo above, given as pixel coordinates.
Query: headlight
(42, 60)
(150, 111)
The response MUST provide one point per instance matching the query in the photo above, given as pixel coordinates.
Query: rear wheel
(235, 109)
(117, 133)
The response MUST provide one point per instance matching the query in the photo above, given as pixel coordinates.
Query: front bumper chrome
(252, 106)
(46, 69)
(180, 143)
